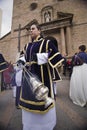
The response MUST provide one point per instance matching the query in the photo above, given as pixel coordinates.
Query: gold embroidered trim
(56, 63)
(2, 63)
(37, 111)
(30, 102)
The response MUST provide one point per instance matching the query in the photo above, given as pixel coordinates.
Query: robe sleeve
(3, 63)
(54, 58)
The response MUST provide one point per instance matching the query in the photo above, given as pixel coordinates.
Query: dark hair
(21, 53)
(36, 24)
(53, 40)
(82, 48)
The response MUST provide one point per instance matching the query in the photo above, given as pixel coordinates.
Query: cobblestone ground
(69, 115)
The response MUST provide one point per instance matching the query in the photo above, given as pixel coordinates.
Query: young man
(42, 56)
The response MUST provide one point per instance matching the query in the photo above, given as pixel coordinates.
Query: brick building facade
(66, 20)
(0, 20)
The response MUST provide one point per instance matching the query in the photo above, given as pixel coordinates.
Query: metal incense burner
(39, 89)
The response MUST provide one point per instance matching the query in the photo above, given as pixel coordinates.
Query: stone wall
(24, 11)
(5, 44)
(0, 20)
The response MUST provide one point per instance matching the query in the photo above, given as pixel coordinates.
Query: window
(33, 6)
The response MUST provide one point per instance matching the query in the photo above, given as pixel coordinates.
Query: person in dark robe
(42, 57)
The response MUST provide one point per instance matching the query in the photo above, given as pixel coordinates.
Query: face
(34, 31)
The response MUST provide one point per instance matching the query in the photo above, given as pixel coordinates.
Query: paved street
(69, 116)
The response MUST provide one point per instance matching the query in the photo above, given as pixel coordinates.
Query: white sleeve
(42, 58)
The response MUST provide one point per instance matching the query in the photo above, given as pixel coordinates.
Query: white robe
(78, 85)
(34, 121)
